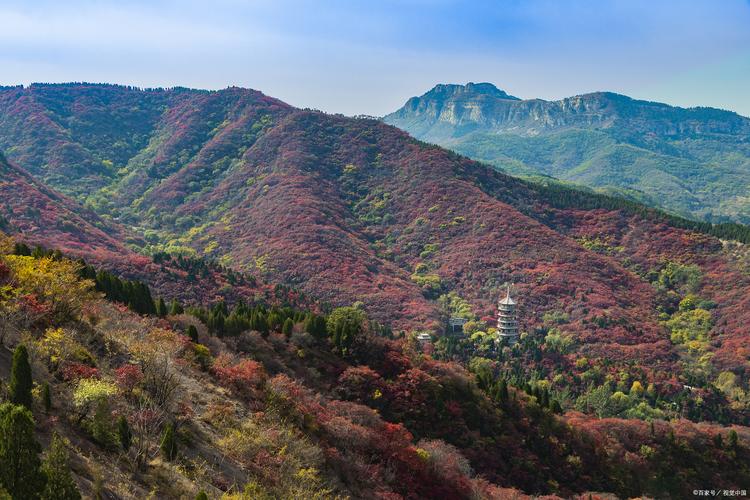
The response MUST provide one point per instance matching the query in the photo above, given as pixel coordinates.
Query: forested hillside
(291, 404)
(318, 247)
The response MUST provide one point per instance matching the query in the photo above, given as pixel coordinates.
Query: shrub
(202, 356)
(73, 372)
(54, 282)
(241, 377)
(91, 391)
(128, 377)
(168, 445)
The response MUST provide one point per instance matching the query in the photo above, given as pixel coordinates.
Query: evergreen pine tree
(732, 439)
(201, 495)
(169, 443)
(46, 397)
(60, 484)
(22, 249)
(555, 407)
(259, 323)
(288, 327)
(20, 474)
(503, 390)
(123, 433)
(175, 308)
(148, 302)
(718, 441)
(161, 308)
(545, 398)
(319, 327)
(101, 425)
(20, 378)
(192, 332)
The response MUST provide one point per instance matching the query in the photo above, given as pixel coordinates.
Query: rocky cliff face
(484, 106)
(692, 161)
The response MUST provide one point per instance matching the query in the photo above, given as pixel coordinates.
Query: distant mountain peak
(471, 88)
(602, 139)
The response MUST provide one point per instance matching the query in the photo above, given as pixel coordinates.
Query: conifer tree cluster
(22, 473)
(198, 268)
(20, 378)
(221, 321)
(135, 294)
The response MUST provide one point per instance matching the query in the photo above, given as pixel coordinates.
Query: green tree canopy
(344, 325)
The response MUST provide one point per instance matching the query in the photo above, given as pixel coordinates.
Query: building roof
(507, 300)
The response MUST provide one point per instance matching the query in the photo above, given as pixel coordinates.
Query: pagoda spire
(507, 319)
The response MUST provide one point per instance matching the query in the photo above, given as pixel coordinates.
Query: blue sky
(370, 56)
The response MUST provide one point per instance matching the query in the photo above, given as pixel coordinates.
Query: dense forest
(244, 298)
(273, 401)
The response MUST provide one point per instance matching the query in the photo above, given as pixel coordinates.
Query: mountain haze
(695, 162)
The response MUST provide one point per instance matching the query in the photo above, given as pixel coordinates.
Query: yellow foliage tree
(54, 282)
(636, 389)
(6, 244)
(59, 345)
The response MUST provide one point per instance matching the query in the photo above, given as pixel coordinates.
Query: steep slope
(377, 201)
(44, 216)
(691, 161)
(85, 132)
(38, 215)
(269, 415)
(352, 210)
(82, 137)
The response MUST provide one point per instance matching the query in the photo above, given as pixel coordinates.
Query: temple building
(507, 320)
(424, 339)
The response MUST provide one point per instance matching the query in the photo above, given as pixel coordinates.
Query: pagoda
(507, 320)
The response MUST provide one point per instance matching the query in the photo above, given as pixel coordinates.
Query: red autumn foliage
(344, 209)
(243, 377)
(359, 383)
(72, 371)
(128, 377)
(361, 200)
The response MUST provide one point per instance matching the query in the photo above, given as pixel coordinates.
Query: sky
(368, 57)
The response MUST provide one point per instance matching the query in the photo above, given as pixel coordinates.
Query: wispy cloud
(355, 56)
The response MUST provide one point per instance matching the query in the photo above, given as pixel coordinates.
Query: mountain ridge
(628, 314)
(691, 161)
